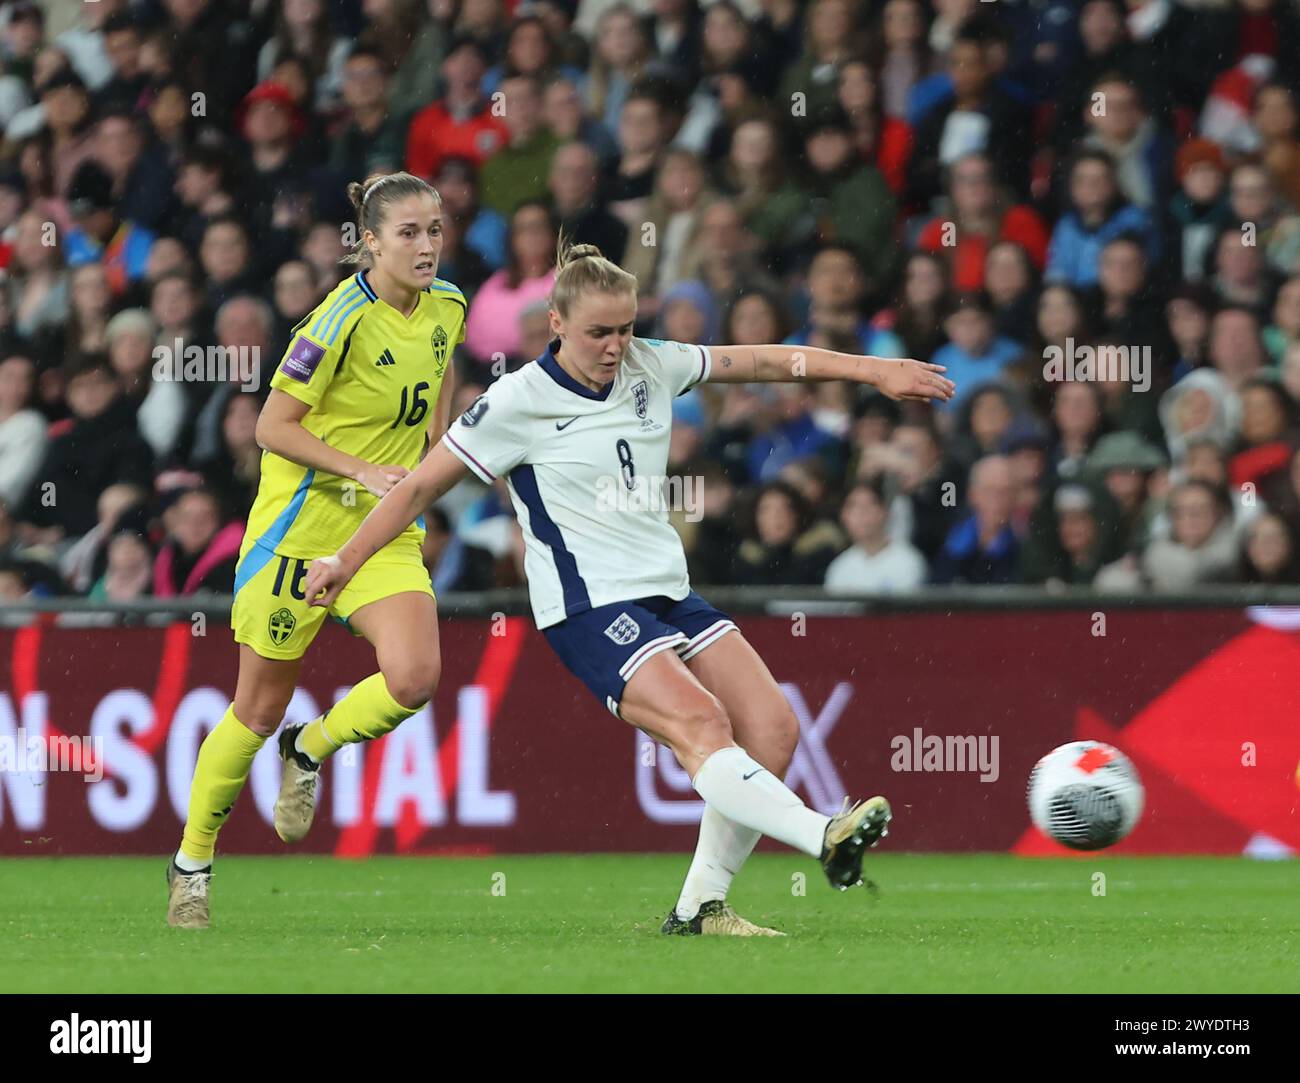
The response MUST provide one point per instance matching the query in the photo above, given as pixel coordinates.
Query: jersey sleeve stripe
(544, 529)
(335, 325)
(264, 548)
(464, 456)
(705, 364)
(337, 305)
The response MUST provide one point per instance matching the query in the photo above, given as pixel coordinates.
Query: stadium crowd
(990, 186)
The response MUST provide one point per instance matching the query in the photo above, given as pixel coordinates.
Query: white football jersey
(586, 472)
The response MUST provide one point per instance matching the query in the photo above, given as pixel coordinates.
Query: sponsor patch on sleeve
(302, 360)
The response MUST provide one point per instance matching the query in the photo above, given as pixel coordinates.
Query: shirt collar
(552, 368)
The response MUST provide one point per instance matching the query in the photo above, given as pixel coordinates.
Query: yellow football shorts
(270, 611)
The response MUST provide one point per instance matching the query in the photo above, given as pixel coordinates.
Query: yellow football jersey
(371, 378)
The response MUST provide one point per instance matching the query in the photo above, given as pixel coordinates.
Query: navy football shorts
(604, 646)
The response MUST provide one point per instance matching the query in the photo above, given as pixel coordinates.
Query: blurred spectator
(98, 446)
(100, 236)
(1284, 330)
(70, 124)
(232, 472)
(519, 170)
(37, 282)
(1269, 552)
(923, 301)
(620, 54)
(159, 405)
(1077, 419)
(565, 118)
(655, 252)
(368, 138)
(121, 38)
(1267, 434)
(1125, 464)
(483, 231)
(979, 117)
(794, 435)
(881, 140)
(982, 425)
(1199, 210)
(200, 554)
(908, 56)
(1095, 213)
(924, 507)
(226, 256)
(411, 38)
(22, 429)
(493, 323)
(875, 563)
(974, 353)
(1073, 534)
(1011, 283)
(777, 548)
(92, 301)
(243, 337)
(1202, 547)
(836, 291)
(1142, 153)
(120, 507)
(462, 122)
(1236, 350)
(978, 216)
(303, 30)
(574, 181)
(1276, 120)
(642, 136)
(982, 548)
(129, 572)
(530, 50)
(452, 564)
(294, 295)
(1274, 223)
(204, 186)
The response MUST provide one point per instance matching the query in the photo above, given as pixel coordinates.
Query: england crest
(640, 397)
(624, 630)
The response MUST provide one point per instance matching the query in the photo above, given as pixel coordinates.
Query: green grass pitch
(978, 923)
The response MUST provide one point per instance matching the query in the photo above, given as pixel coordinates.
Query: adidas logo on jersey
(386, 358)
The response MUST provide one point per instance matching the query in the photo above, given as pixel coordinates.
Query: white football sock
(188, 864)
(742, 790)
(723, 847)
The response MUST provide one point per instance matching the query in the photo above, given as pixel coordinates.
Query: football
(1086, 795)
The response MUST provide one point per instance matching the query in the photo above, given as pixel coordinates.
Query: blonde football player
(582, 435)
(358, 397)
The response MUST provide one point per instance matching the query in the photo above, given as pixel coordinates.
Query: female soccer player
(582, 436)
(358, 397)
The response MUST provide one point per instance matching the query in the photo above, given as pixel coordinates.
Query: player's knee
(413, 683)
(263, 714)
(703, 725)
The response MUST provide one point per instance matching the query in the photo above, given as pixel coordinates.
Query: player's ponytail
(582, 268)
(370, 200)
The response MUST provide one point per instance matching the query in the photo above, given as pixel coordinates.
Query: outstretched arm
(439, 471)
(897, 378)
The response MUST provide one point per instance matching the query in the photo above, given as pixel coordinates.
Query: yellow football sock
(225, 758)
(366, 712)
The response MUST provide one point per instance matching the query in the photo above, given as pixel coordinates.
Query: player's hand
(326, 579)
(917, 380)
(379, 479)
